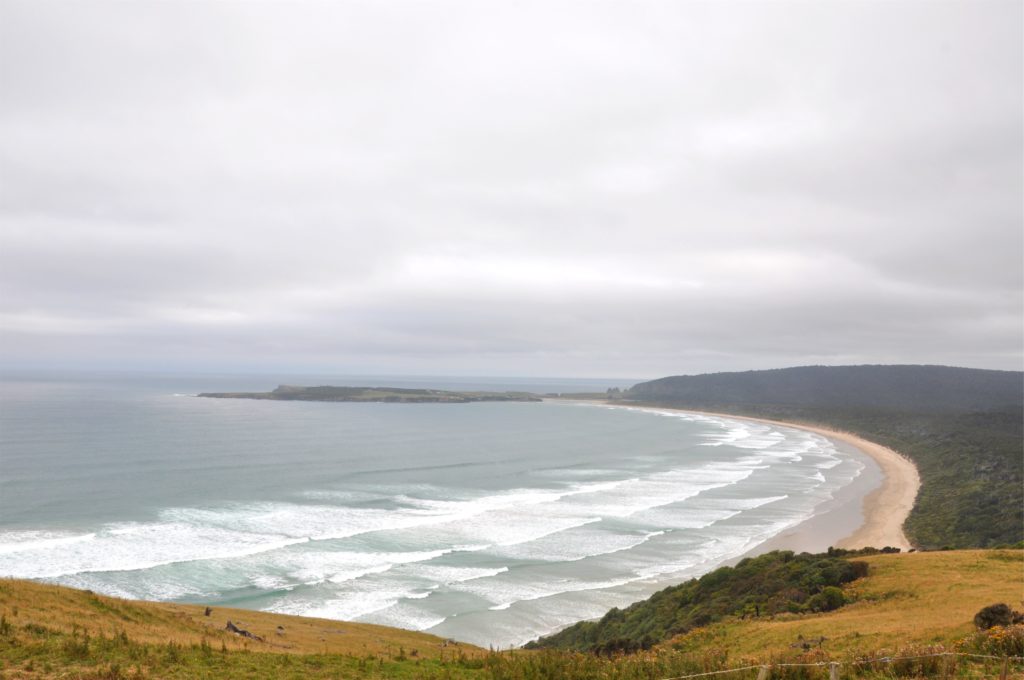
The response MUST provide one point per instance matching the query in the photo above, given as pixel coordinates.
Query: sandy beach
(884, 509)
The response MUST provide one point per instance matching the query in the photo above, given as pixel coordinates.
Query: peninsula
(375, 394)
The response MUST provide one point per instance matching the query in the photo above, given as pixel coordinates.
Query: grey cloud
(590, 188)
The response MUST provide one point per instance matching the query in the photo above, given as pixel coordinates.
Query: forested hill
(961, 426)
(891, 388)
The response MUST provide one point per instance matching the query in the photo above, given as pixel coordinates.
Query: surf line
(885, 509)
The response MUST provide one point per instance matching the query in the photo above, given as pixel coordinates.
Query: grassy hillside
(913, 599)
(909, 605)
(47, 629)
(962, 427)
(65, 609)
(766, 585)
(921, 602)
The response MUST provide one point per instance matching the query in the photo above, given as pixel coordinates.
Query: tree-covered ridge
(961, 427)
(918, 389)
(775, 582)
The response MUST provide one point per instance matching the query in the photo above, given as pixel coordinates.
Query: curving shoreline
(885, 509)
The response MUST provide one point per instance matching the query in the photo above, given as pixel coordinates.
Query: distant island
(397, 395)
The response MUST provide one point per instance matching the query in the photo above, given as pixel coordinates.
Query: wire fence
(834, 667)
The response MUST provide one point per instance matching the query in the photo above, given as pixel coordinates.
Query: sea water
(491, 523)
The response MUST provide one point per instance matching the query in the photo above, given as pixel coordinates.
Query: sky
(593, 189)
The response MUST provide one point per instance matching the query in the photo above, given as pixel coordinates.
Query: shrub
(834, 598)
(828, 599)
(997, 640)
(994, 615)
(860, 569)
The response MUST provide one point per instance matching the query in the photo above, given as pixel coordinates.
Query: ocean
(491, 523)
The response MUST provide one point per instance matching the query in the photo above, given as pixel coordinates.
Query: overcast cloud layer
(596, 188)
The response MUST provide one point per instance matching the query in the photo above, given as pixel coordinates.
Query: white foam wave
(311, 567)
(447, 575)
(348, 608)
(138, 588)
(320, 551)
(510, 591)
(419, 596)
(688, 519)
(16, 541)
(738, 503)
(401, 615)
(187, 534)
(135, 546)
(664, 488)
(505, 519)
(575, 545)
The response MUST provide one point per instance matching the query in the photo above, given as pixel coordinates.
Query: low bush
(997, 615)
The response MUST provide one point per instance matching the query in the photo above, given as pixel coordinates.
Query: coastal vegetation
(961, 427)
(919, 604)
(766, 585)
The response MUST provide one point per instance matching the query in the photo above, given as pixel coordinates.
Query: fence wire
(858, 662)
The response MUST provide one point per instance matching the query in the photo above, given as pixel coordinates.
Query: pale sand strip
(885, 509)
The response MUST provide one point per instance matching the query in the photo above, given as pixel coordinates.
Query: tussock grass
(912, 599)
(65, 610)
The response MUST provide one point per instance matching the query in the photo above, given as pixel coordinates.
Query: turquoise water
(490, 522)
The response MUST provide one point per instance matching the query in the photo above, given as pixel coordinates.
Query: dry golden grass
(65, 609)
(914, 599)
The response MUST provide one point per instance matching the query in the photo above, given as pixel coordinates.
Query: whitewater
(491, 523)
